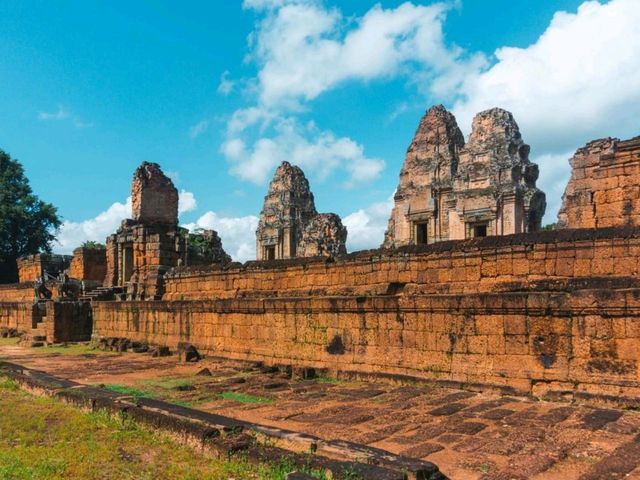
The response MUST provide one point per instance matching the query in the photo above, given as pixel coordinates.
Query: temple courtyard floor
(469, 435)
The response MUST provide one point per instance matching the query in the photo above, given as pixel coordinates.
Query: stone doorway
(421, 233)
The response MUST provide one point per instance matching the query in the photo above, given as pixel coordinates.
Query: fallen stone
(205, 372)
(187, 352)
(159, 351)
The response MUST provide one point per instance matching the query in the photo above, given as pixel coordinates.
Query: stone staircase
(103, 294)
(37, 336)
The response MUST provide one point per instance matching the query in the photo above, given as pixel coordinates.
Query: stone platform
(468, 435)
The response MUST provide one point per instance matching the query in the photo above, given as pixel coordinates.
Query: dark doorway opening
(270, 253)
(421, 233)
(479, 230)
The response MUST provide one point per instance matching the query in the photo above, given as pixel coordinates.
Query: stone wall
(467, 266)
(32, 267)
(604, 189)
(17, 292)
(88, 264)
(16, 315)
(582, 342)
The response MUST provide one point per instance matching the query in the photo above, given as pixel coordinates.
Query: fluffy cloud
(186, 202)
(225, 87)
(304, 49)
(315, 151)
(73, 234)
(366, 226)
(237, 233)
(580, 79)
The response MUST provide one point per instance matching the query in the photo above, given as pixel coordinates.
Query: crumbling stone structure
(89, 264)
(289, 223)
(604, 188)
(205, 248)
(451, 191)
(151, 243)
(32, 267)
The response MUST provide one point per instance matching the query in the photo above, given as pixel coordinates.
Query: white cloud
(304, 49)
(579, 81)
(186, 202)
(60, 114)
(237, 233)
(554, 175)
(73, 234)
(198, 129)
(315, 151)
(366, 226)
(64, 114)
(225, 87)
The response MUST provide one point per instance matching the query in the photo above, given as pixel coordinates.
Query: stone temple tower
(289, 224)
(451, 191)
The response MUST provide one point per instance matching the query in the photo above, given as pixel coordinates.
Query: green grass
(127, 390)
(9, 341)
(169, 383)
(323, 379)
(244, 397)
(44, 439)
(73, 349)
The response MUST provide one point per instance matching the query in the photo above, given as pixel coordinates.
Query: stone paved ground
(468, 435)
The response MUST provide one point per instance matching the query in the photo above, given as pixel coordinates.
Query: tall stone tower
(423, 197)
(289, 224)
(451, 191)
(495, 186)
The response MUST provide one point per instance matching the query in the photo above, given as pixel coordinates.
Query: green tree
(27, 224)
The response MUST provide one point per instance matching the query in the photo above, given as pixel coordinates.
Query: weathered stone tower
(289, 223)
(495, 186)
(423, 197)
(151, 243)
(451, 191)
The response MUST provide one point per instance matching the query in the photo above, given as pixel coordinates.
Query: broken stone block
(205, 372)
(187, 352)
(299, 476)
(159, 351)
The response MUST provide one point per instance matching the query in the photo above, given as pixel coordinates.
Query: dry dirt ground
(468, 435)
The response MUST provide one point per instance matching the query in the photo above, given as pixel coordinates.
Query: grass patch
(127, 390)
(73, 349)
(324, 379)
(244, 398)
(9, 341)
(45, 439)
(170, 383)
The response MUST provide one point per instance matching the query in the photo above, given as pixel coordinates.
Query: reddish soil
(468, 435)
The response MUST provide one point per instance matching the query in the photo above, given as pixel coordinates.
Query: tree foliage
(27, 224)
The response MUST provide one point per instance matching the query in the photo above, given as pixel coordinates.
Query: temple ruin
(148, 245)
(604, 188)
(289, 224)
(520, 311)
(450, 190)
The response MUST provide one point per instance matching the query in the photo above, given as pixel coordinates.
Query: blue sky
(220, 92)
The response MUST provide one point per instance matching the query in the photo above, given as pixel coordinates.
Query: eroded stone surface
(604, 188)
(449, 190)
(289, 223)
(154, 198)
(324, 235)
(205, 248)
